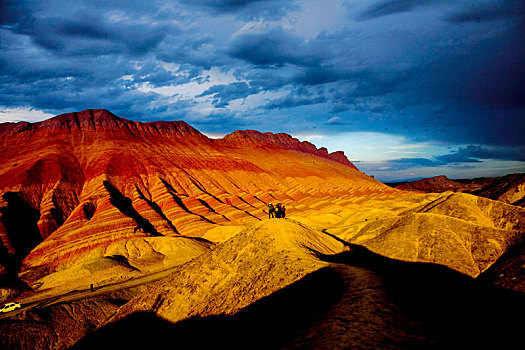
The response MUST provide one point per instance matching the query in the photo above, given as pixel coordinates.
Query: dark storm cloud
(295, 100)
(320, 75)
(389, 7)
(12, 12)
(195, 50)
(157, 75)
(223, 94)
(275, 47)
(89, 35)
(488, 11)
(456, 158)
(282, 59)
(490, 73)
(246, 8)
(59, 58)
(411, 163)
(223, 5)
(49, 95)
(462, 157)
(473, 153)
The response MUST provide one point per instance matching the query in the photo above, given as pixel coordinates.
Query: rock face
(75, 185)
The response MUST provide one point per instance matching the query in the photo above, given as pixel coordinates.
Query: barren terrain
(120, 233)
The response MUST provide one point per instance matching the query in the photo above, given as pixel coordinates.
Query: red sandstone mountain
(80, 182)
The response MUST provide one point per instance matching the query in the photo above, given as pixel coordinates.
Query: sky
(406, 88)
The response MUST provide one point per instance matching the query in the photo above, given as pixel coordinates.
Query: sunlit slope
(280, 284)
(252, 265)
(461, 231)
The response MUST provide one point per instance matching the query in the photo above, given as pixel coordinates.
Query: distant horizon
(405, 88)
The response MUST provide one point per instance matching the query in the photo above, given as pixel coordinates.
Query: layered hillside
(82, 186)
(509, 188)
(461, 231)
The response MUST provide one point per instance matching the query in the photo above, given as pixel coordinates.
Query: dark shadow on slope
(500, 185)
(20, 221)
(122, 260)
(57, 214)
(250, 214)
(228, 202)
(170, 187)
(455, 309)
(265, 324)
(200, 239)
(520, 202)
(205, 204)
(247, 212)
(125, 206)
(263, 202)
(157, 209)
(89, 210)
(242, 199)
(362, 300)
(201, 188)
(509, 270)
(180, 203)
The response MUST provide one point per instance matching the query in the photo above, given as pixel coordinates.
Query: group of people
(277, 211)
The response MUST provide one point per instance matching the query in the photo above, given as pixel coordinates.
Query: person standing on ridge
(278, 211)
(283, 211)
(271, 211)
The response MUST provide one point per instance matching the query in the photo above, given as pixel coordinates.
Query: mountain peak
(100, 120)
(88, 117)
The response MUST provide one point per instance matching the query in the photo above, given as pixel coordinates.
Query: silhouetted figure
(278, 210)
(283, 211)
(271, 211)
